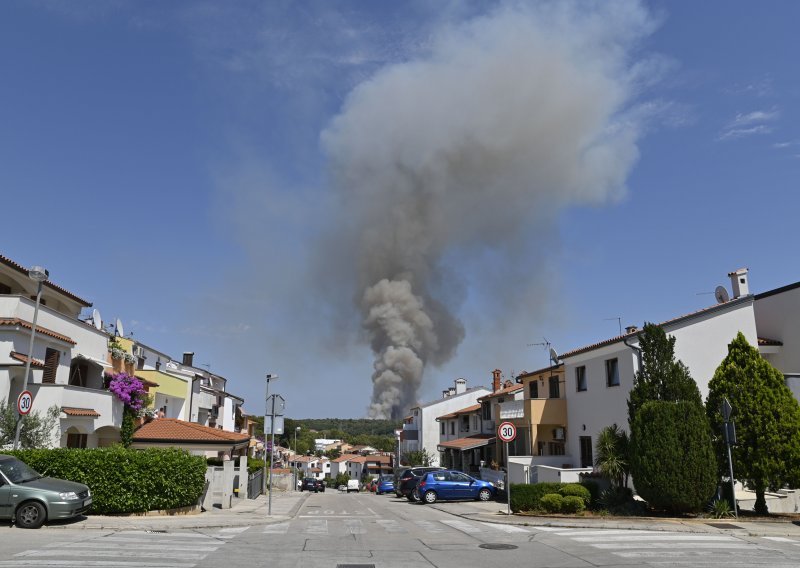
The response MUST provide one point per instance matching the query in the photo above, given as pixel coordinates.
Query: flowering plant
(129, 390)
(117, 354)
(129, 358)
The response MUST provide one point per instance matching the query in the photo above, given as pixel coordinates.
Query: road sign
(25, 402)
(726, 409)
(507, 432)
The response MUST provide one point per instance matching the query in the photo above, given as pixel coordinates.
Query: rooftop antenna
(619, 322)
(546, 344)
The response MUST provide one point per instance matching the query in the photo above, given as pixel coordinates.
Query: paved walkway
(285, 504)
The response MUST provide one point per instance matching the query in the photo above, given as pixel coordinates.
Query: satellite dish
(96, 319)
(118, 327)
(553, 356)
(721, 294)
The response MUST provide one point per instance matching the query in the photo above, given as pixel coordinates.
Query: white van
(353, 485)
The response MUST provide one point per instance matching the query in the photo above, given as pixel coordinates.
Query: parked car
(385, 484)
(31, 498)
(407, 480)
(312, 484)
(451, 485)
(353, 485)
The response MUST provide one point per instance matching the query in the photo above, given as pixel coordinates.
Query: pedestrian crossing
(129, 549)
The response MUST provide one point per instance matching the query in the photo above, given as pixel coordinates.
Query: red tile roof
(19, 268)
(507, 390)
(39, 329)
(38, 363)
(71, 411)
(468, 442)
(174, 430)
(345, 457)
(467, 410)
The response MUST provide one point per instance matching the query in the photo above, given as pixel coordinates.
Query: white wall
(778, 317)
(429, 427)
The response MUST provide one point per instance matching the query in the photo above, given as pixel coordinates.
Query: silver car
(30, 499)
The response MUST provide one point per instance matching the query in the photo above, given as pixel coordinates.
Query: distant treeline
(350, 426)
(356, 431)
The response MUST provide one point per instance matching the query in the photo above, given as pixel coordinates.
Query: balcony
(512, 409)
(546, 411)
(108, 406)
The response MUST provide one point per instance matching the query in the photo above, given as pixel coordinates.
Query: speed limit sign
(24, 402)
(507, 432)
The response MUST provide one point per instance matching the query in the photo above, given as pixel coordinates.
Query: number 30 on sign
(506, 432)
(25, 402)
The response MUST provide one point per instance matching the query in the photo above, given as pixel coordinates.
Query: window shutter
(51, 359)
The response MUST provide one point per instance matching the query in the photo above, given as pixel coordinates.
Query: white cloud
(749, 124)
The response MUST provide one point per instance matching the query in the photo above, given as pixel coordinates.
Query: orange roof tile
(174, 430)
(39, 329)
(72, 411)
(467, 410)
(19, 268)
(24, 359)
(468, 442)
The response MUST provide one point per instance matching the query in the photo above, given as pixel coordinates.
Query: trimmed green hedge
(552, 503)
(529, 497)
(576, 490)
(124, 480)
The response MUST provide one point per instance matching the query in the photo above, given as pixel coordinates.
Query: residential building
(339, 465)
(195, 438)
(464, 443)
(504, 403)
(420, 428)
(542, 430)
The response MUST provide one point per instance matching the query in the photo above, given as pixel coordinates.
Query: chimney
(739, 283)
(631, 329)
(188, 356)
(452, 391)
(496, 380)
(461, 386)
(445, 393)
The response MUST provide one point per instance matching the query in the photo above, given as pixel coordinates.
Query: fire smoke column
(505, 120)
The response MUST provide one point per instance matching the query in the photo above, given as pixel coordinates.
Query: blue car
(385, 484)
(448, 484)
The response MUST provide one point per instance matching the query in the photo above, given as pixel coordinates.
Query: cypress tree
(767, 418)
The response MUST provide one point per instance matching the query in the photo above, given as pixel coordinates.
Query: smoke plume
(504, 121)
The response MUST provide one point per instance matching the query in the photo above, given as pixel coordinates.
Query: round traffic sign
(507, 432)
(24, 402)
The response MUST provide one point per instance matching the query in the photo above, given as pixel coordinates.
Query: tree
(671, 464)
(37, 428)
(418, 457)
(612, 455)
(660, 376)
(767, 418)
(672, 459)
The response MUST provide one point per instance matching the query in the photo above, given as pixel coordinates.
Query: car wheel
(484, 495)
(429, 497)
(415, 496)
(30, 515)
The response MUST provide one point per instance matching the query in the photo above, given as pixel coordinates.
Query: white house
(599, 377)
(777, 315)
(68, 363)
(420, 428)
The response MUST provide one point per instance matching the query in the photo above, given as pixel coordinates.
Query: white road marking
(656, 537)
(116, 553)
(463, 527)
(354, 526)
(317, 526)
(92, 563)
(430, 526)
(631, 545)
(506, 528)
(549, 529)
(780, 539)
(391, 526)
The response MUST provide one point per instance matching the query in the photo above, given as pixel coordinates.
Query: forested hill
(349, 426)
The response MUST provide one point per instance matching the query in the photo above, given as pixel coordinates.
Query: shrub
(551, 503)
(526, 497)
(593, 488)
(124, 480)
(573, 504)
(575, 490)
(254, 465)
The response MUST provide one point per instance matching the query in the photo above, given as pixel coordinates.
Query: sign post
(729, 433)
(507, 432)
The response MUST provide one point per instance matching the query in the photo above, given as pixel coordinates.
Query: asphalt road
(334, 529)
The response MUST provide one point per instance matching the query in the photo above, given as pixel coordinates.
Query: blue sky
(183, 167)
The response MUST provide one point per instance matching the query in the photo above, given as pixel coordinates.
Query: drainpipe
(638, 352)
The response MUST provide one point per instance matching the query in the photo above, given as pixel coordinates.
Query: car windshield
(17, 471)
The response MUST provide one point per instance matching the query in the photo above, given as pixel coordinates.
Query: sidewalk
(496, 512)
(245, 512)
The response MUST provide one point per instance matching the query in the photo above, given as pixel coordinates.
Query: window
(533, 389)
(4, 288)
(51, 358)
(441, 428)
(452, 428)
(556, 448)
(580, 378)
(486, 410)
(76, 440)
(586, 451)
(465, 423)
(555, 391)
(612, 373)
(475, 422)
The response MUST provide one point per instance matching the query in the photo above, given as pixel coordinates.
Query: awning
(83, 412)
(92, 360)
(468, 442)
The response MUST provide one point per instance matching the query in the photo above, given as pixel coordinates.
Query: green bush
(593, 488)
(526, 497)
(254, 465)
(573, 504)
(576, 490)
(551, 503)
(124, 480)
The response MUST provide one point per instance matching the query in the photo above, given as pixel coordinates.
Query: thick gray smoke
(506, 120)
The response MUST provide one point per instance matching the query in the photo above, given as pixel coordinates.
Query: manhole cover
(723, 526)
(497, 546)
(159, 532)
(355, 566)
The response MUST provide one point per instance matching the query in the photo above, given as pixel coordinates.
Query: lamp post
(294, 478)
(40, 276)
(270, 377)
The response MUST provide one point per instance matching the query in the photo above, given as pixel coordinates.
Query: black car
(311, 484)
(407, 480)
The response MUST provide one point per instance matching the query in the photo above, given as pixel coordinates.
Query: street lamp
(40, 276)
(269, 377)
(296, 430)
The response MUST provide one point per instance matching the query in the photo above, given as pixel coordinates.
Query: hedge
(124, 480)
(528, 497)
(573, 504)
(576, 490)
(552, 503)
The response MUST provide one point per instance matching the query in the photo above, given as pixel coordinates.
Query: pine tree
(767, 418)
(660, 377)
